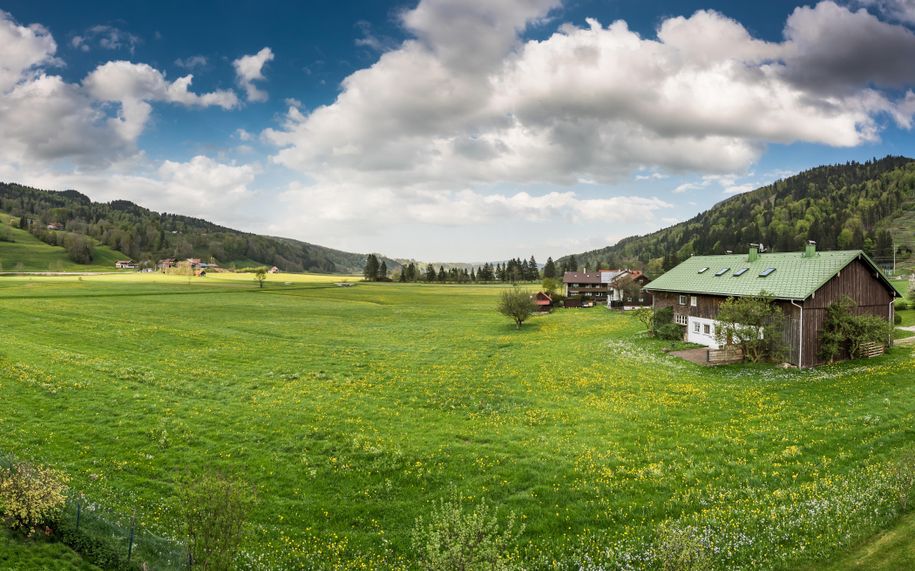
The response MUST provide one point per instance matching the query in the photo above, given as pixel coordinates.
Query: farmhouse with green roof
(802, 283)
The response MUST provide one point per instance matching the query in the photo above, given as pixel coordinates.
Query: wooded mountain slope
(869, 206)
(143, 234)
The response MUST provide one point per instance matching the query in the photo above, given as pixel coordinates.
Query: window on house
(766, 272)
(693, 301)
(682, 300)
(641, 299)
(740, 272)
(696, 327)
(721, 272)
(707, 329)
(680, 319)
(703, 270)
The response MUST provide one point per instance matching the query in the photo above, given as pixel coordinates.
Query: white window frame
(681, 319)
(693, 301)
(681, 300)
(695, 327)
(706, 329)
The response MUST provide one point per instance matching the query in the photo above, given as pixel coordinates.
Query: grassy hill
(869, 206)
(352, 410)
(29, 254)
(142, 234)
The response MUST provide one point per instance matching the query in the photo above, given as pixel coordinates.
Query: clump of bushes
(31, 497)
(847, 333)
(453, 538)
(663, 325)
(683, 548)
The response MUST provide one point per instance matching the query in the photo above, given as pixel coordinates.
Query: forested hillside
(869, 206)
(144, 235)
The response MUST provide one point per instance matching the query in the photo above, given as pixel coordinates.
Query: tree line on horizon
(147, 236)
(512, 271)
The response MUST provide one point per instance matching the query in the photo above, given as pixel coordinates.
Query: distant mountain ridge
(143, 234)
(868, 206)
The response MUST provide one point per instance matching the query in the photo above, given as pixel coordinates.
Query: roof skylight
(766, 272)
(721, 272)
(740, 272)
(703, 270)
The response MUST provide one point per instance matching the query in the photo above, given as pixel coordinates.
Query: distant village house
(615, 288)
(125, 265)
(543, 301)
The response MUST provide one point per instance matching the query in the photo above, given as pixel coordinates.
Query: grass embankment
(351, 409)
(890, 550)
(18, 554)
(29, 254)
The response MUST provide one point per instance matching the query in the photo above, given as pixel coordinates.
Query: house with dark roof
(614, 287)
(803, 284)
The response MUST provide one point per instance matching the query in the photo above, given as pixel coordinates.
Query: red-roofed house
(543, 301)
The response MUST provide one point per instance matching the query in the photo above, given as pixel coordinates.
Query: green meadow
(351, 410)
(26, 253)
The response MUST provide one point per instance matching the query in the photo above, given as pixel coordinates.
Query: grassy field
(352, 409)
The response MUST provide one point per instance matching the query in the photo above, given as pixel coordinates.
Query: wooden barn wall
(707, 305)
(858, 282)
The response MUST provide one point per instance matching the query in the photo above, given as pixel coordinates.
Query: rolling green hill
(869, 206)
(142, 234)
(27, 253)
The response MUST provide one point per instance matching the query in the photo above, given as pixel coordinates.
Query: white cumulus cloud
(250, 68)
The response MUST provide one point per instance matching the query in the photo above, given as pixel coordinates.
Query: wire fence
(111, 539)
(118, 541)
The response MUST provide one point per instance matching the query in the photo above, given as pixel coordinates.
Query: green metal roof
(795, 277)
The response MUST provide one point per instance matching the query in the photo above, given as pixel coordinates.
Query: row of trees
(513, 271)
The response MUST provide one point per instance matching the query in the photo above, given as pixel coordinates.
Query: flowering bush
(31, 496)
(453, 539)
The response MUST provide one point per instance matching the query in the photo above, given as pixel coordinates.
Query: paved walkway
(906, 340)
(698, 355)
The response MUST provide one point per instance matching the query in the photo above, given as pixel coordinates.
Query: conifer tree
(383, 271)
(430, 273)
(371, 268)
(549, 269)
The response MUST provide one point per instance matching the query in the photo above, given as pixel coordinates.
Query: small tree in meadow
(516, 303)
(551, 285)
(260, 275)
(754, 324)
(31, 496)
(645, 315)
(214, 509)
(453, 538)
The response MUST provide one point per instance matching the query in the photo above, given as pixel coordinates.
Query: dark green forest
(867, 206)
(144, 235)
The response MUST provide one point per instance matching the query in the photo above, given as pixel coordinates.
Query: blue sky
(442, 129)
